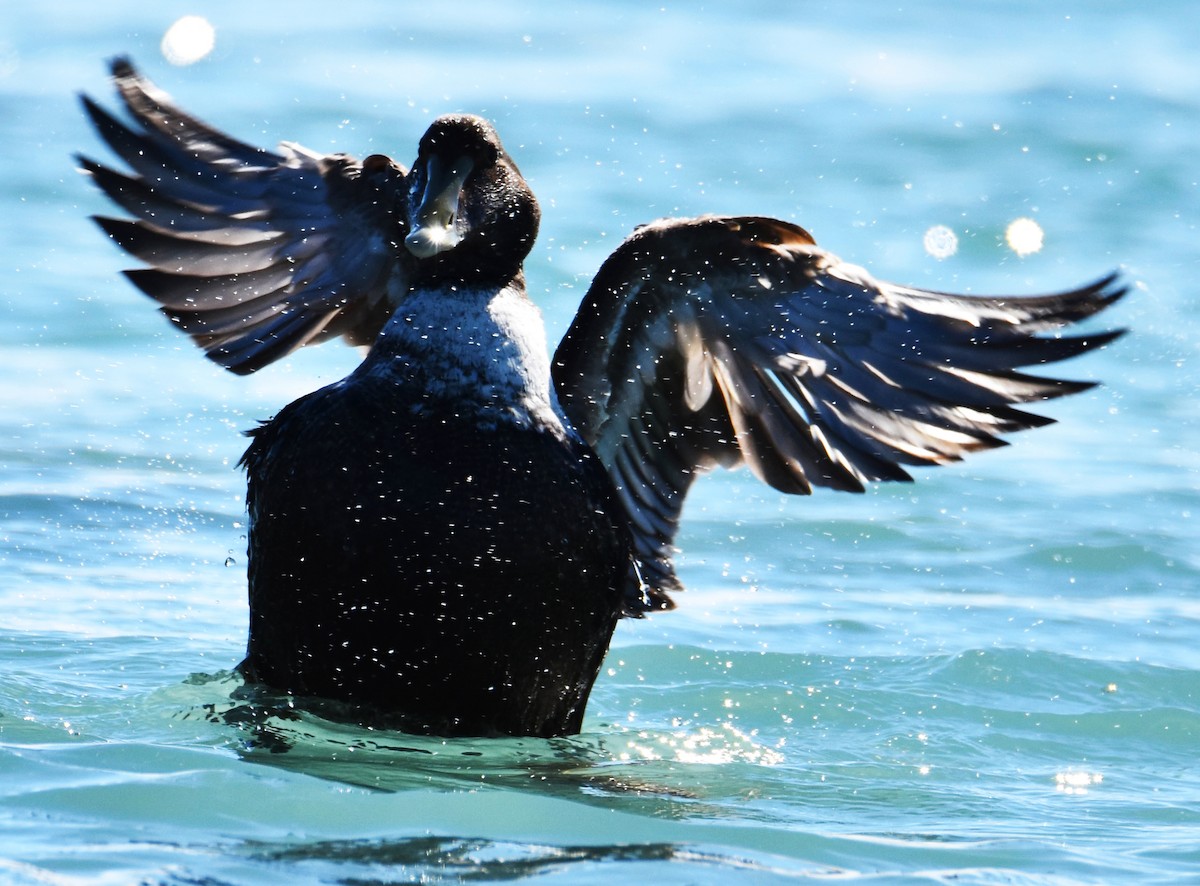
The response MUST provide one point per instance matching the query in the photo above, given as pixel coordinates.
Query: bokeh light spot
(188, 40)
(941, 242)
(1024, 236)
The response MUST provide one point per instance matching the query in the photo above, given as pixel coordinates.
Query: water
(989, 676)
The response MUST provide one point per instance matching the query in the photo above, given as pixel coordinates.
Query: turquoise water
(990, 676)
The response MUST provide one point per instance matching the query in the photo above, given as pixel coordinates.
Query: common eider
(450, 533)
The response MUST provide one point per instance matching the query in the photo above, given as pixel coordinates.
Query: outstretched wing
(252, 253)
(717, 341)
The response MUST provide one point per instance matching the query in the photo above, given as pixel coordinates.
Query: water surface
(989, 676)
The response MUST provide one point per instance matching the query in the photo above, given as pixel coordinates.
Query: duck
(449, 535)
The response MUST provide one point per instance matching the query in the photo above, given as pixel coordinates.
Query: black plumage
(450, 533)
(471, 595)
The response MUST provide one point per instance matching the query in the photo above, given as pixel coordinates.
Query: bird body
(379, 561)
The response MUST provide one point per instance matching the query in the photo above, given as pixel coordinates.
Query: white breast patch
(477, 351)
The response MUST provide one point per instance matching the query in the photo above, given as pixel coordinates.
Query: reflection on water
(328, 740)
(465, 859)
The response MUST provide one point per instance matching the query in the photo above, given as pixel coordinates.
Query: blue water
(991, 676)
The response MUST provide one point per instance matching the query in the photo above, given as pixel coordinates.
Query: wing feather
(251, 252)
(720, 341)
